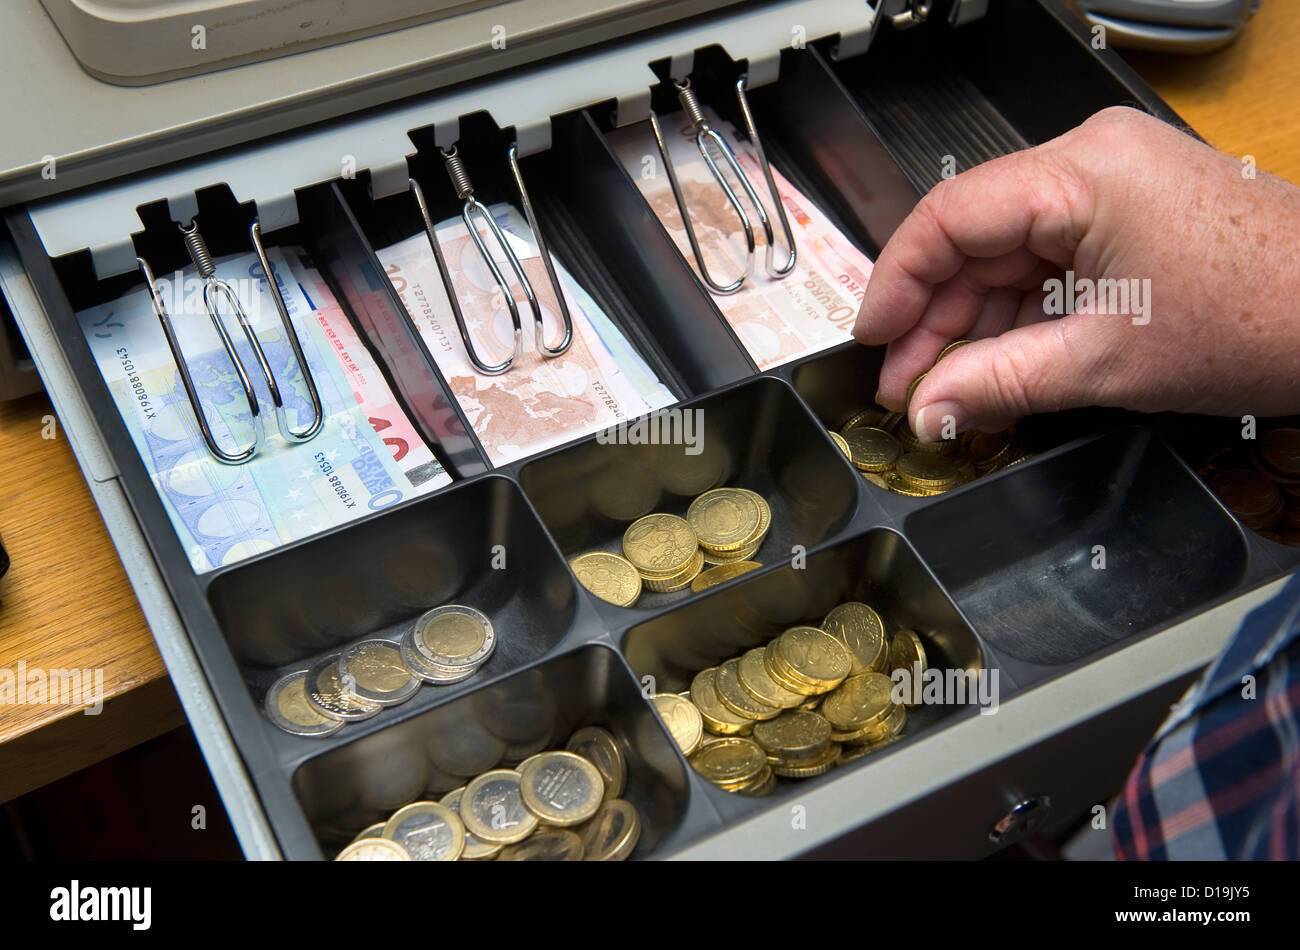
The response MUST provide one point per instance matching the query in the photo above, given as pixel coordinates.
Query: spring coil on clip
(215, 290)
(706, 136)
(471, 210)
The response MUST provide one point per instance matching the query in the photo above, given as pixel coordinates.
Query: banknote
(225, 513)
(539, 403)
(777, 320)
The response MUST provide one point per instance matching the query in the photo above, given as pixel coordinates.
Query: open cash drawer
(859, 107)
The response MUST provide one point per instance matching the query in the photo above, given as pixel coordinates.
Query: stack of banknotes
(367, 456)
(777, 320)
(539, 403)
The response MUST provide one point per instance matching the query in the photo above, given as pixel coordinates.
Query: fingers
(1040, 366)
(1001, 217)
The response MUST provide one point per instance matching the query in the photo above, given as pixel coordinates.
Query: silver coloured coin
(561, 788)
(378, 673)
(493, 808)
(428, 831)
(287, 706)
(330, 695)
(455, 637)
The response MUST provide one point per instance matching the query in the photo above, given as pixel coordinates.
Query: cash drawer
(996, 574)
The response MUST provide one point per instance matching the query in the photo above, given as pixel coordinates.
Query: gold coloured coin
(730, 761)
(561, 788)
(794, 734)
(492, 808)
(612, 833)
(763, 785)
(721, 573)
(744, 554)
(852, 752)
(475, 850)
(862, 700)
(817, 766)
(428, 831)
(925, 470)
(758, 682)
(373, 849)
(872, 450)
(866, 417)
(660, 545)
(717, 718)
(679, 580)
(954, 345)
(843, 445)
(682, 719)
(811, 656)
(599, 747)
(377, 673)
(911, 390)
(906, 652)
(860, 629)
(764, 517)
(877, 479)
(549, 844)
(724, 519)
(888, 728)
(288, 707)
(736, 698)
(895, 483)
(611, 578)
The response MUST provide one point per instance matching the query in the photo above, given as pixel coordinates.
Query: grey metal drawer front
(1081, 659)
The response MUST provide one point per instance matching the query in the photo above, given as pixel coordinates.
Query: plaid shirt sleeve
(1221, 779)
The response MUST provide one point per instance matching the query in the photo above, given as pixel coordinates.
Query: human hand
(1123, 197)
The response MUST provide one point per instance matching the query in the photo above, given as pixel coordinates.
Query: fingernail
(939, 420)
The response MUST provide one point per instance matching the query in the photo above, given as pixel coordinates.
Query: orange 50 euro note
(538, 403)
(778, 320)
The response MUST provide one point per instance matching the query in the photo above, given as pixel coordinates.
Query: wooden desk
(66, 601)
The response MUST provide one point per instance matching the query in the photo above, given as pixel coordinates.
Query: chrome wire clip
(214, 290)
(705, 135)
(471, 209)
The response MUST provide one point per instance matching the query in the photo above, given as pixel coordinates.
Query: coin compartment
(593, 230)
(754, 435)
(364, 780)
(477, 544)
(878, 567)
(1022, 553)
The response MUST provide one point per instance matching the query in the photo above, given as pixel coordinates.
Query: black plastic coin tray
(999, 575)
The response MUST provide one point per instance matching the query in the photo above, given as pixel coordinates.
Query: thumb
(990, 383)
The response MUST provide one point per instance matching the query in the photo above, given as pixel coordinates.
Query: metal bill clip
(215, 290)
(470, 210)
(706, 135)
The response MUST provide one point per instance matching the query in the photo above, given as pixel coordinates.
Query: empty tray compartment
(424, 757)
(1064, 556)
(878, 568)
(476, 544)
(756, 435)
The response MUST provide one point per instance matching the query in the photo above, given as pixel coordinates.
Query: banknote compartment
(814, 133)
(1061, 558)
(425, 756)
(755, 435)
(477, 543)
(878, 567)
(648, 295)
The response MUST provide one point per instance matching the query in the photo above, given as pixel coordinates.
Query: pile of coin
(556, 806)
(723, 527)
(1261, 484)
(444, 646)
(812, 698)
(882, 446)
